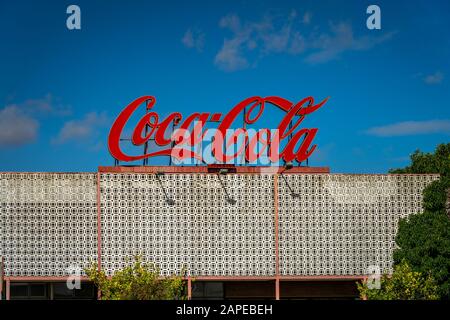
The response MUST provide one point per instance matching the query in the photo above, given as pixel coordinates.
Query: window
(207, 290)
(28, 291)
(86, 292)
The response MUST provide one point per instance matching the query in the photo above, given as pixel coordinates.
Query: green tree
(435, 195)
(404, 284)
(423, 239)
(138, 281)
(437, 162)
(424, 242)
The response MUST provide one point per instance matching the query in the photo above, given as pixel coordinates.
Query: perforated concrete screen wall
(48, 222)
(200, 231)
(336, 225)
(342, 224)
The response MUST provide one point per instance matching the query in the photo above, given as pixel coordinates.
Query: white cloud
(307, 18)
(194, 38)
(48, 105)
(434, 78)
(341, 39)
(86, 128)
(266, 36)
(230, 57)
(298, 44)
(19, 123)
(277, 34)
(408, 128)
(16, 127)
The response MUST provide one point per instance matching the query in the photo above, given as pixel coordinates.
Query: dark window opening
(207, 290)
(27, 291)
(87, 291)
(49, 291)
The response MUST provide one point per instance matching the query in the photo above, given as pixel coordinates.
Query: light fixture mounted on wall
(289, 165)
(228, 198)
(169, 200)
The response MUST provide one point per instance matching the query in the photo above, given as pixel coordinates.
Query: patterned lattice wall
(48, 222)
(342, 224)
(200, 231)
(337, 225)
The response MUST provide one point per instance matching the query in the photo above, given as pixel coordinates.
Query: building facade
(242, 232)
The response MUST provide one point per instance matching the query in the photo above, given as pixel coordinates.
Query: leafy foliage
(423, 239)
(138, 281)
(404, 284)
(435, 195)
(424, 242)
(437, 162)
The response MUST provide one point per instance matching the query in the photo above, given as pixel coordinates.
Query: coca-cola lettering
(179, 144)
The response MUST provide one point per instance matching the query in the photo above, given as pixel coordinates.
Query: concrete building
(240, 232)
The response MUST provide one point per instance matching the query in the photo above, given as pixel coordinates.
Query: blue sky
(61, 89)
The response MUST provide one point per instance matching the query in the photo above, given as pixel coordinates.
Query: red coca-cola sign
(191, 132)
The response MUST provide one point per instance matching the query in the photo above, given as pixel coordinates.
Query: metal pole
(1, 277)
(172, 144)
(52, 292)
(145, 161)
(277, 288)
(99, 231)
(245, 127)
(189, 288)
(8, 295)
(276, 231)
(289, 137)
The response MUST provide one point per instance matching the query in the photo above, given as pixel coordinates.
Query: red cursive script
(150, 126)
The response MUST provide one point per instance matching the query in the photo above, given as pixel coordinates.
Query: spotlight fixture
(288, 165)
(228, 198)
(169, 200)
